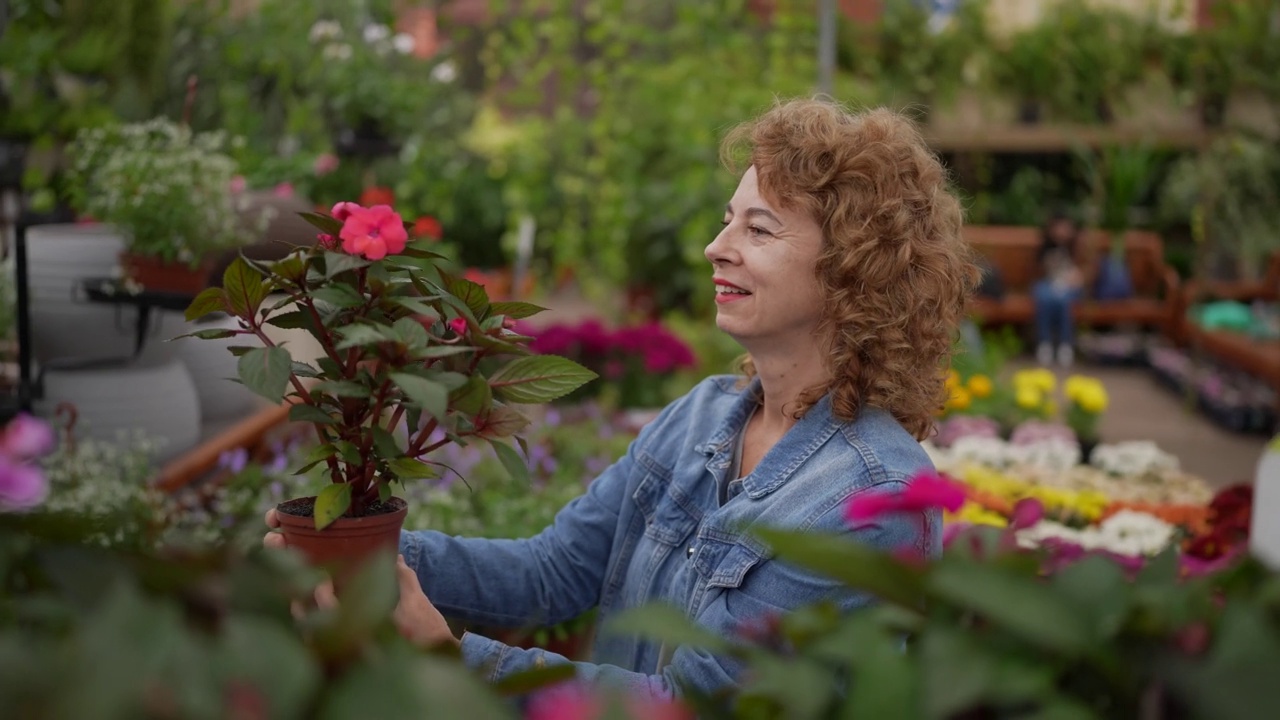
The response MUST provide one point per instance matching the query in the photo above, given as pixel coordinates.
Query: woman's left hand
(416, 618)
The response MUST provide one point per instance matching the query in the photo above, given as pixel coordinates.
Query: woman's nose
(718, 249)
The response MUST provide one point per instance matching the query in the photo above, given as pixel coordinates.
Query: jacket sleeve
(547, 579)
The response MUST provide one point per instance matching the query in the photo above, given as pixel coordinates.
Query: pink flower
(924, 491)
(564, 702)
(238, 184)
(374, 232)
(1026, 513)
(343, 210)
(26, 438)
(458, 326)
(283, 190)
(21, 486)
(327, 241)
(325, 163)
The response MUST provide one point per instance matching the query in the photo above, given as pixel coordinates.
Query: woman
(842, 272)
(1059, 287)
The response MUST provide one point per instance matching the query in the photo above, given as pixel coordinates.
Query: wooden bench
(1012, 251)
(250, 433)
(1259, 358)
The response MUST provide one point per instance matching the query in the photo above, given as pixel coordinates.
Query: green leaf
(212, 334)
(244, 287)
(473, 398)
(291, 268)
(331, 503)
(472, 294)
(342, 388)
(340, 296)
(296, 320)
(850, 562)
(268, 654)
(210, 300)
(441, 351)
(336, 263)
(384, 492)
(302, 369)
(317, 455)
(503, 421)
(407, 468)
(310, 414)
(418, 249)
(450, 380)
(349, 453)
(417, 305)
(431, 396)
(515, 310)
(240, 350)
(362, 335)
(526, 682)
(325, 223)
(1098, 586)
(411, 333)
(539, 378)
(511, 460)
(384, 443)
(666, 624)
(266, 371)
(1022, 604)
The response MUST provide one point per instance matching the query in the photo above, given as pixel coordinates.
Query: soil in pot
(344, 544)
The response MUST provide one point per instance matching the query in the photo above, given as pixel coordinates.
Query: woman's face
(765, 263)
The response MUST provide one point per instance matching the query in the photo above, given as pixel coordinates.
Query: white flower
(376, 32)
(1137, 457)
(337, 51)
(324, 30)
(445, 72)
(1127, 532)
(403, 43)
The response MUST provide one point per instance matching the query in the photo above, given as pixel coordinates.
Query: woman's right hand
(273, 539)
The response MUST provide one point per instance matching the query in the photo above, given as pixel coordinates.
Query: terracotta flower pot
(343, 545)
(161, 276)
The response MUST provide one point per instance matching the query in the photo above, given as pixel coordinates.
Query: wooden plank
(247, 433)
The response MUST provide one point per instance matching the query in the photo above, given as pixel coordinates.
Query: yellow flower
(953, 379)
(1092, 399)
(975, 514)
(980, 386)
(959, 399)
(1028, 397)
(1074, 384)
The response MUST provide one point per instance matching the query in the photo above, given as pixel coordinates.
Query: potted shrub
(169, 191)
(414, 358)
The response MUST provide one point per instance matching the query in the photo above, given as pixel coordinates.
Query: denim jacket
(651, 529)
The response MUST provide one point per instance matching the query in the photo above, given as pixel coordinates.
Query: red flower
(377, 195)
(374, 232)
(458, 326)
(327, 241)
(343, 210)
(925, 490)
(427, 226)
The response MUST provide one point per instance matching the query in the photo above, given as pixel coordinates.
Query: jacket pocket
(665, 520)
(723, 564)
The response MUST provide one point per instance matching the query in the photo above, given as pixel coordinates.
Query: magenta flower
(325, 163)
(284, 190)
(327, 241)
(21, 486)
(343, 210)
(564, 702)
(374, 232)
(458, 326)
(924, 491)
(1026, 513)
(26, 438)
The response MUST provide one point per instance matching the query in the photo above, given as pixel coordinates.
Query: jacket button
(689, 553)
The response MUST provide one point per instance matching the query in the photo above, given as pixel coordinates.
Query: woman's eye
(757, 230)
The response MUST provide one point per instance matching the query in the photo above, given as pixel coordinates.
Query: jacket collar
(783, 459)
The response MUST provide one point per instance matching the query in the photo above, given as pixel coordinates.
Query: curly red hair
(894, 268)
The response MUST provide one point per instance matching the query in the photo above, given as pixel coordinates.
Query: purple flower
(26, 438)
(277, 489)
(234, 460)
(552, 418)
(21, 486)
(952, 429)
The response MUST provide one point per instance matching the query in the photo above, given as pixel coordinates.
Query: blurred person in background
(1059, 286)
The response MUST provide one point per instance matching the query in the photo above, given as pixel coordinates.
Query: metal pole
(826, 46)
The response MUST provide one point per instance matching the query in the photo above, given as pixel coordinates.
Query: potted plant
(1086, 401)
(170, 193)
(414, 358)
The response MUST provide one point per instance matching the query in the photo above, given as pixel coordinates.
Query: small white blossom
(403, 43)
(337, 51)
(376, 32)
(445, 72)
(324, 30)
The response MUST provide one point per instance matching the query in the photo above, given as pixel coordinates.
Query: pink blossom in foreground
(327, 241)
(26, 438)
(374, 232)
(924, 491)
(1026, 513)
(21, 486)
(567, 701)
(458, 326)
(343, 210)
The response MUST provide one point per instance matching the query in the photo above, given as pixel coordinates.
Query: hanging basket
(159, 275)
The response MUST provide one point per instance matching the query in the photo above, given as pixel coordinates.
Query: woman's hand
(273, 539)
(415, 617)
